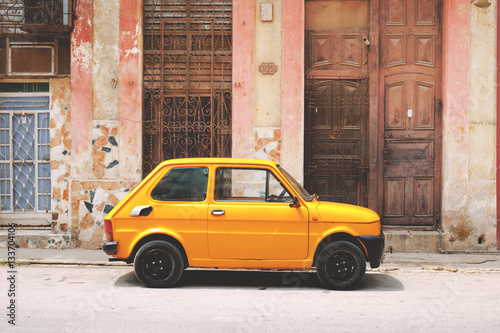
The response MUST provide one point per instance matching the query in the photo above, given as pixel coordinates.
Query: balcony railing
(36, 16)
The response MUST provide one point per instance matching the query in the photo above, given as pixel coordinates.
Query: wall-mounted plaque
(268, 68)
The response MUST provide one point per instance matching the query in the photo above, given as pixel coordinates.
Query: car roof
(218, 160)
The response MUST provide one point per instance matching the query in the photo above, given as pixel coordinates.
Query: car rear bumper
(110, 247)
(374, 247)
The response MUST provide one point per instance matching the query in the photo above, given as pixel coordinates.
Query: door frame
(375, 174)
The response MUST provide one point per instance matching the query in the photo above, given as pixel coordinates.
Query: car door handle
(218, 212)
(141, 211)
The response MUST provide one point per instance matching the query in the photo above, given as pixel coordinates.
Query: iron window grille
(36, 16)
(25, 175)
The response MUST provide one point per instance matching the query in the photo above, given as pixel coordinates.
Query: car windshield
(302, 191)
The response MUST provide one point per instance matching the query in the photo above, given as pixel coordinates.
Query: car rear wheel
(341, 265)
(158, 264)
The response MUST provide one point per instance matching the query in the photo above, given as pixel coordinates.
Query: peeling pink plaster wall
(292, 87)
(465, 211)
(130, 89)
(456, 24)
(243, 79)
(81, 76)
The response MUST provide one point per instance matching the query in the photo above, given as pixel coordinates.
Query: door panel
(267, 230)
(423, 114)
(336, 136)
(251, 218)
(411, 53)
(396, 102)
(394, 196)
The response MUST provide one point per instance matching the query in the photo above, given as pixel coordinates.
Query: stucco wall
(106, 84)
(268, 107)
(60, 153)
(469, 182)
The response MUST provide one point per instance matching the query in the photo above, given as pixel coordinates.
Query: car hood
(337, 212)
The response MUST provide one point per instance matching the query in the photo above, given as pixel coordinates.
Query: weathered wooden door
(411, 110)
(337, 104)
(336, 136)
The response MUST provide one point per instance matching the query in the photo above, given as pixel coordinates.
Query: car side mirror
(295, 202)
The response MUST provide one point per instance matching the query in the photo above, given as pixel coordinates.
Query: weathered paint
(105, 59)
(106, 123)
(468, 205)
(268, 50)
(267, 88)
(81, 76)
(329, 15)
(243, 79)
(456, 23)
(60, 153)
(498, 131)
(292, 87)
(130, 86)
(268, 143)
(91, 201)
(469, 185)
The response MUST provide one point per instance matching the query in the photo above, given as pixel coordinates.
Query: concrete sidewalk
(394, 261)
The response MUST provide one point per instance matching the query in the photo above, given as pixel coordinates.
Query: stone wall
(60, 153)
(91, 201)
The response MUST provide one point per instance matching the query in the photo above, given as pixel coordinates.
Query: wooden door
(411, 104)
(336, 99)
(336, 139)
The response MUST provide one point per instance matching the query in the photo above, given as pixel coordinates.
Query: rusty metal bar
(36, 16)
(193, 79)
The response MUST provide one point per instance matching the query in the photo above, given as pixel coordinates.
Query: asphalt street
(86, 298)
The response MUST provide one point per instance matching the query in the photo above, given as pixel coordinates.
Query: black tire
(158, 264)
(341, 265)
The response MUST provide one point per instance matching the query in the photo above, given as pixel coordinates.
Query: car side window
(242, 184)
(182, 184)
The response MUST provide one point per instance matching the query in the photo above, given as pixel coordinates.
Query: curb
(68, 263)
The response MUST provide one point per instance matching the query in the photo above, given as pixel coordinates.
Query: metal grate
(22, 16)
(187, 79)
(336, 136)
(25, 183)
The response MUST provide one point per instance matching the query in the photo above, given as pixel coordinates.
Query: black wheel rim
(158, 264)
(341, 266)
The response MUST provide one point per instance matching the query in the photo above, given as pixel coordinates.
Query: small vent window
(39, 57)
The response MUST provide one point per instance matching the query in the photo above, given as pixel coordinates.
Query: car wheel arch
(334, 237)
(163, 237)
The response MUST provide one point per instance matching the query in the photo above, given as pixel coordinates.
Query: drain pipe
(462, 251)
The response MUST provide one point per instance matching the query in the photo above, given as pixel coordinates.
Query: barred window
(25, 183)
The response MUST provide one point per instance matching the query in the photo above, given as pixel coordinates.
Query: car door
(250, 217)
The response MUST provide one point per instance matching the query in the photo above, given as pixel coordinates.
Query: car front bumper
(110, 247)
(374, 247)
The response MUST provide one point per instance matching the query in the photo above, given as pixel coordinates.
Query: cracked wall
(105, 163)
(469, 136)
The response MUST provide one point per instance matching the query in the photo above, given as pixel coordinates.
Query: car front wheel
(158, 264)
(341, 265)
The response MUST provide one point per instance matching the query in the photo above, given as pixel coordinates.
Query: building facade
(389, 104)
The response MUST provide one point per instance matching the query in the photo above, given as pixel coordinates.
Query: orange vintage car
(238, 214)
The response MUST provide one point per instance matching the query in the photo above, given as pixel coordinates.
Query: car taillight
(108, 230)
